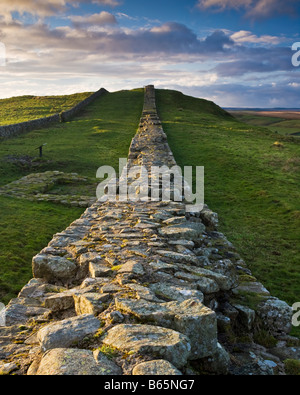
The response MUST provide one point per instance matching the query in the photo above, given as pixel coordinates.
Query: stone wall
(24, 127)
(143, 288)
(66, 116)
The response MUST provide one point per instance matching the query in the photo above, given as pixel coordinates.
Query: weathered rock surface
(91, 303)
(71, 361)
(277, 314)
(175, 292)
(37, 187)
(153, 340)
(20, 310)
(67, 332)
(50, 267)
(148, 285)
(190, 317)
(159, 367)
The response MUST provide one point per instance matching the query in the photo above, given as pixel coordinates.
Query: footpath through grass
(100, 135)
(252, 185)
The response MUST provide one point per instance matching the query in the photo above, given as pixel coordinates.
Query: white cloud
(43, 8)
(244, 36)
(188, 79)
(49, 60)
(221, 5)
(253, 8)
(294, 84)
(103, 18)
(37, 47)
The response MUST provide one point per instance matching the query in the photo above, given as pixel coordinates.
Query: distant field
(282, 122)
(27, 108)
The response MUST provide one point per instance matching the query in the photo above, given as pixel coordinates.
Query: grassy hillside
(26, 228)
(284, 123)
(100, 135)
(251, 183)
(27, 108)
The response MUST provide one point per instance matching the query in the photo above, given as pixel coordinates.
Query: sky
(237, 53)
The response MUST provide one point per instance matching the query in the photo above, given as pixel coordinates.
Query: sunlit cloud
(70, 46)
(100, 19)
(46, 8)
(244, 36)
(252, 8)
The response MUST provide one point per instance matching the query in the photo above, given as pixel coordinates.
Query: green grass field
(251, 183)
(27, 108)
(284, 125)
(26, 228)
(100, 135)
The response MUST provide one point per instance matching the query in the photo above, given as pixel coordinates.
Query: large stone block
(74, 362)
(51, 267)
(61, 301)
(276, 315)
(158, 367)
(91, 303)
(190, 318)
(150, 340)
(65, 333)
(20, 310)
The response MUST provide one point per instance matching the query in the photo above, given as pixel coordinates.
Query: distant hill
(26, 108)
(260, 109)
(190, 103)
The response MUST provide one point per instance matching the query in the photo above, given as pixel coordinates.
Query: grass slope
(26, 228)
(251, 184)
(100, 135)
(283, 123)
(27, 108)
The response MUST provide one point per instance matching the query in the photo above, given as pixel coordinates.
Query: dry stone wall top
(24, 127)
(142, 288)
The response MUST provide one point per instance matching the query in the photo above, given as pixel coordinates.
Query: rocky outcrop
(37, 187)
(144, 288)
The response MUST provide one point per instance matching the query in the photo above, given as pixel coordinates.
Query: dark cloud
(169, 40)
(252, 8)
(170, 55)
(217, 41)
(256, 60)
(263, 95)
